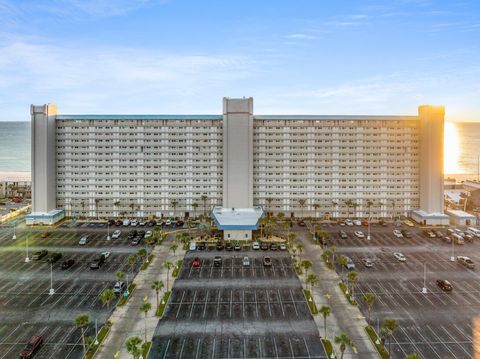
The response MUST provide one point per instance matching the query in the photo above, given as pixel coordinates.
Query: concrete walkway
(344, 317)
(129, 320)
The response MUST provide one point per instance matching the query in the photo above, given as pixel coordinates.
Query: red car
(365, 223)
(33, 345)
(196, 262)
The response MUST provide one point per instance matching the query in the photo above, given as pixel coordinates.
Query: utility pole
(424, 289)
(52, 291)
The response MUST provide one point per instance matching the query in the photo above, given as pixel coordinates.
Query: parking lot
(437, 324)
(236, 311)
(28, 308)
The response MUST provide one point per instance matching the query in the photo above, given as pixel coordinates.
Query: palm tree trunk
(157, 299)
(83, 340)
(325, 327)
(145, 327)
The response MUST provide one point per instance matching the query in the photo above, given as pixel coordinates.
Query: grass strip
(146, 349)
(327, 345)
(146, 264)
(343, 287)
(176, 270)
(163, 304)
(311, 303)
(124, 299)
(373, 337)
(93, 349)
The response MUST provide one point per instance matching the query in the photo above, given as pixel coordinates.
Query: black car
(132, 234)
(179, 223)
(219, 246)
(264, 246)
(217, 261)
(141, 234)
(151, 223)
(68, 263)
(444, 285)
(267, 261)
(229, 246)
(111, 222)
(118, 222)
(273, 246)
(53, 257)
(201, 246)
(97, 262)
(382, 223)
(406, 234)
(39, 255)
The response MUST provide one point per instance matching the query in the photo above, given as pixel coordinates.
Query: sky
(292, 56)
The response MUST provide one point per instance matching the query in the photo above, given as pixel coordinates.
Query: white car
(348, 222)
(83, 241)
(105, 254)
(134, 223)
(116, 234)
(282, 247)
(255, 246)
(397, 233)
(357, 222)
(126, 222)
(367, 262)
(193, 246)
(148, 234)
(359, 234)
(399, 256)
(142, 223)
(168, 222)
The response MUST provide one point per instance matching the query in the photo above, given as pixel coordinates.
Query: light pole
(368, 229)
(452, 258)
(27, 258)
(146, 251)
(52, 291)
(96, 332)
(424, 289)
(14, 234)
(108, 231)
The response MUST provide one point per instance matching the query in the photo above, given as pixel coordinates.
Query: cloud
(301, 36)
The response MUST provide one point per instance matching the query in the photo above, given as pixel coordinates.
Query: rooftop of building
(459, 214)
(237, 218)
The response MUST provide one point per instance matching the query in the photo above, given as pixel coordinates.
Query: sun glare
(451, 149)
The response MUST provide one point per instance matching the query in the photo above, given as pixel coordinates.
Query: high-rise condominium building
(323, 166)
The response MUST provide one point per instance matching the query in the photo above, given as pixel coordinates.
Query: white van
(193, 246)
(458, 239)
(474, 231)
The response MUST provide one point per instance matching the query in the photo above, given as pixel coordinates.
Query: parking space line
(260, 348)
(218, 302)
(306, 347)
(243, 305)
(256, 304)
(410, 342)
(456, 341)
(291, 348)
(166, 349)
(427, 342)
(193, 303)
(198, 348)
(293, 301)
(180, 305)
(205, 306)
(181, 350)
(275, 346)
(440, 340)
(281, 302)
(228, 349)
(231, 300)
(268, 301)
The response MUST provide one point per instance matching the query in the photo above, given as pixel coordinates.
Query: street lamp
(368, 229)
(27, 258)
(14, 234)
(452, 258)
(424, 289)
(108, 231)
(146, 252)
(52, 291)
(96, 332)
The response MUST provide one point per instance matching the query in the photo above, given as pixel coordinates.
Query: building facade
(323, 166)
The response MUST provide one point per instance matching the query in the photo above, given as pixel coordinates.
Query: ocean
(462, 148)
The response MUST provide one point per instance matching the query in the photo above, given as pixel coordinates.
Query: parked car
(116, 234)
(67, 263)
(180, 223)
(201, 246)
(217, 261)
(409, 223)
(148, 234)
(39, 254)
(45, 234)
(444, 285)
(126, 222)
(83, 240)
(97, 262)
(282, 247)
(458, 239)
(168, 223)
(397, 233)
(136, 240)
(466, 261)
(348, 222)
(350, 265)
(246, 261)
(141, 234)
(53, 257)
(111, 222)
(273, 246)
(237, 246)
(341, 223)
(459, 232)
(151, 223)
(359, 234)
(119, 287)
(399, 256)
(264, 246)
(193, 246)
(33, 346)
(132, 234)
(106, 254)
(267, 261)
(406, 233)
(447, 239)
(365, 223)
(438, 234)
(367, 262)
(302, 223)
(219, 246)
(469, 238)
(196, 263)
(229, 246)
(133, 223)
(357, 222)
(255, 246)
(118, 222)
(382, 223)
(343, 234)
(142, 223)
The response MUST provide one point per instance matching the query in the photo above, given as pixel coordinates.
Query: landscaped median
(327, 262)
(147, 263)
(345, 291)
(374, 338)
(177, 267)
(311, 302)
(163, 304)
(327, 345)
(94, 347)
(146, 349)
(124, 299)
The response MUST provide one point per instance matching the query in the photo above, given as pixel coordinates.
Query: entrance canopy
(237, 218)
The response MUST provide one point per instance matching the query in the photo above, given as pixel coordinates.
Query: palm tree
(204, 200)
(168, 266)
(195, 206)
(132, 206)
(349, 204)
(316, 206)
(107, 296)
(312, 280)
(325, 311)
(81, 321)
(142, 253)
(306, 264)
(413, 356)
(145, 308)
(369, 299)
(116, 204)
(369, 207)
(355, 205)
(333, 249)
(120, 275)
(389, 326)
(342, 260)
(173, 247)
(83, 206)
(300, 249)
(269, 201)
(394, 204)
(134, 346)
(174, 204)
(131, 261)
(157, 287)
(302, 202)
(280, 216)
(344, 341)
(352, 280)
(97, 201)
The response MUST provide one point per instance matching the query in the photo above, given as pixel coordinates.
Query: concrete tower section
(44, 168)
(238, 153)
(431, 158)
